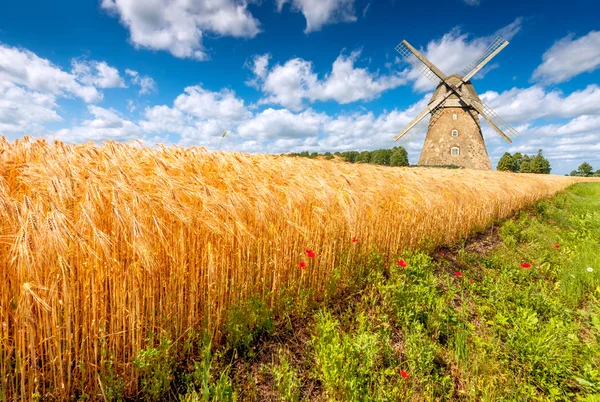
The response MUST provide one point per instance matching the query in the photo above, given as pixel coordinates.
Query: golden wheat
(102, 245)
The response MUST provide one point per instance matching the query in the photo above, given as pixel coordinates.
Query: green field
(512, 314)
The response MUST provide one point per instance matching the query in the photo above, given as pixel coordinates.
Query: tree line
(396, 156)
(520, 163)
(585, 170)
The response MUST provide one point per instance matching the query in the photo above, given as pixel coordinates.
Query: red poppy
(354, 240)
(512, 219)
(309, 253)
(471, 280)
(525, 265)
(442, 254)
(302, 264)
(404, 373)
(458, 274)
(402, 263)
(557, 245)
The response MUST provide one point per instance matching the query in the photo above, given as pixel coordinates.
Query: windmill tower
(454, 133)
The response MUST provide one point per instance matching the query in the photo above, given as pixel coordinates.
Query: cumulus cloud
(520, 105)
(274, 124)
(23, 67)
(455, 50)
(178, 26)
(295, 82)
(96, 73)
(204, 104)
(107, 124)
(146, 83)
(23, 110)
(569, 57)
(322, 12)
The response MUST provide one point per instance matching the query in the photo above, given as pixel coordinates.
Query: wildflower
(302, 264)
(442, 254)
(512, 219)
(590, 269)
(471, 280)
(404, 373)
(354, 240)
(557, 245)
(458, 274)
(402, 263)
(525, 265)
(310, 253)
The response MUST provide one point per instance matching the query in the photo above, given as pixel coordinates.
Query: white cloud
(291, 84)
(277, 124)
(178, 26)
(569, 57)
(146, 83)
(260, 68)
(519, 105)
(107, 124)
(25, 68)
(322, 12)
(96, 73)
(23, 110)
(455, 50)
(198, 116)
(205, 104)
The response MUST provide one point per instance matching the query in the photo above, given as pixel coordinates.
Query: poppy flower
(471, 280)
(310, 253)
(442, 254)
(557, 245)
(458, 274)
(354, 240)
(404, 373)
(512, 219)
(302, 264)
(402, 263)
(525, 265)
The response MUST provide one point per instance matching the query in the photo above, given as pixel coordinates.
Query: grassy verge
(511, 314)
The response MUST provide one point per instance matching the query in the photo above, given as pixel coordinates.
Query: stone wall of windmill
(455, 139)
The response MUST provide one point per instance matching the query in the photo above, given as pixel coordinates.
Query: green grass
(465, 323)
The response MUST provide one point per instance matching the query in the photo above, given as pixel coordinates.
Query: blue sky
(292, 75)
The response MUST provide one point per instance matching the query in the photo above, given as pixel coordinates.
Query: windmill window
(455, 151)
(455, 133)
(454, 116)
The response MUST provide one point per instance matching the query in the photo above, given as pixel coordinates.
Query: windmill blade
(413, 123)
(505, 130)
(488, 54)
(420, 128)
(432, 107)
(420, 62)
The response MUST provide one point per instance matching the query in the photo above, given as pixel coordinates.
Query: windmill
(454, 133)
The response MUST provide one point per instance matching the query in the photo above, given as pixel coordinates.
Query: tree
(506, 163)
(585, 170)
(381, 156)
(363, 157)
(597, 174)
(573, 173)
(525, 166)
(517, 160)
(350, 156)
(539, 164)
(399, 157)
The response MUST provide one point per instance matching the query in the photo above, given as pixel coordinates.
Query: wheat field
(101, 246)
